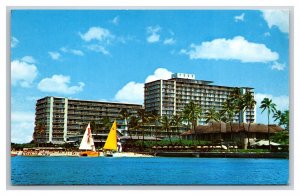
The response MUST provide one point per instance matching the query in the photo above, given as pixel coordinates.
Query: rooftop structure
(184, 76)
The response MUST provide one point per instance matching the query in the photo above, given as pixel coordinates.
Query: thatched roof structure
(217, 127)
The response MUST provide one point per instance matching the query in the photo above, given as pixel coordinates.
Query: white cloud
(28, 59)
(96, 33)
(239, 18)
(279, 18)
(22, 132)
(153, 29)
(72, 51)
(115, 20)
(23, 73)
(278, 66)
(64, 49)
(153, 38)
(14, 42)
(59, 84)
(160, 73)
(232, 49)
(22, 126)
(169, 41)
(98, 48)
(133, 92)
(54, 55)
(77, 52)
(267, 34)
(153, 34)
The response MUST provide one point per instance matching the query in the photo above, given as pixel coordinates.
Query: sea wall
(284, 155)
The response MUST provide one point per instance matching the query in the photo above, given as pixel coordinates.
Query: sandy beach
(72, 153)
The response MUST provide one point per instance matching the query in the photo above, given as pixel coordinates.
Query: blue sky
(109, 54)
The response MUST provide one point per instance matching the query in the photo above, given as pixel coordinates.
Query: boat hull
(89, 154)
(125, 154)
(108, 154)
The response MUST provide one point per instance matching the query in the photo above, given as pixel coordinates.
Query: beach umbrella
(265, 143)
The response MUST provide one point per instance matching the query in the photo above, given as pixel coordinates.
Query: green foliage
(281, 137)
(236, 100)
(105, 122)
(67, 146)
(166, 125)
(21, 146)
(228, 110)
(253, 150)
(212, 115)
(191, 113)
(267, 103)
(282, 118)
(150, 144)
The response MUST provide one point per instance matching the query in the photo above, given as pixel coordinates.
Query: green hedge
(150, 144)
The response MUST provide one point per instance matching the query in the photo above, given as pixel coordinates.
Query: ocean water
(147, 171)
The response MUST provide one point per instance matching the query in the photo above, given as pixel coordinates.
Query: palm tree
(249, 104)
(228, 109)
(105, 121)
(283, 118)
(142, 120)
(155, 118)
(192, 112)
(176, 121)
(277, 116)
(213, 116)
(93, 126)
(266, 103)
(185, 118)
(133, 123)
(237, 99)
(165, 122)
(125, 115)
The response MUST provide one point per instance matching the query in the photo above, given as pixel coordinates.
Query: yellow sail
(111, 141)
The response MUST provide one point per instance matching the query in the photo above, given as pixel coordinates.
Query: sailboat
(87, 144)
(111, 145)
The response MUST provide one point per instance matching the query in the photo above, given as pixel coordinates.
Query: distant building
(59, 120)
(168, 97)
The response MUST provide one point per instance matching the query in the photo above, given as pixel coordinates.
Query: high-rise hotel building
(64, 119)
(168, 97)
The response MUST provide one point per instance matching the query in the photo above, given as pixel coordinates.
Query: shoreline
(282, 155)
